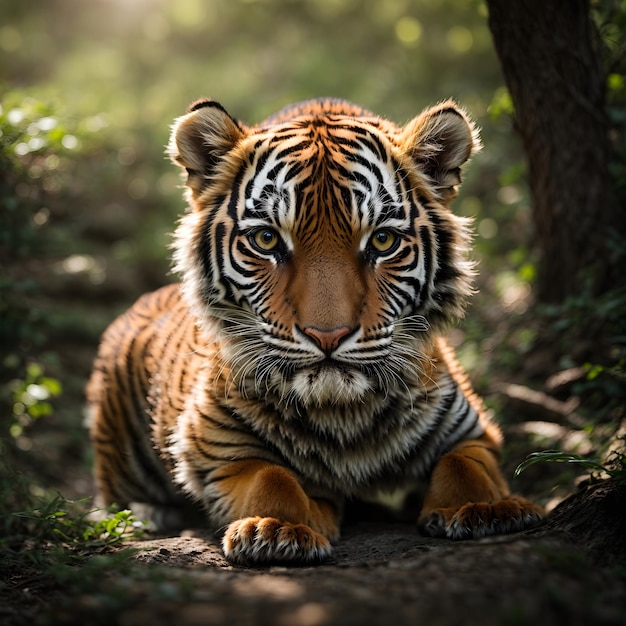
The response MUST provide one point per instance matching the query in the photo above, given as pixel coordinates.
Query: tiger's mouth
(329, 364)
(330, 382)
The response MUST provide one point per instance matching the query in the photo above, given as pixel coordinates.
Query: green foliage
(60, 521)
(579, 313)
(605, 390)
(49, 543)
(36, 153)
(615, 467)
(601, 317)
(48, 547)
(501, 104)
(610, 17)
(31, 397)
(30, 515)
(44, 538)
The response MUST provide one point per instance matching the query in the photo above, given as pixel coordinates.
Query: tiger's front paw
(480, 519)
(262, 540)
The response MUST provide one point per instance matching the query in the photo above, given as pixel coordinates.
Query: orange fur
(468, 492)
(258, 488)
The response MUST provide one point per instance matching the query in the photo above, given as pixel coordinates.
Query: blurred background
(88, 91)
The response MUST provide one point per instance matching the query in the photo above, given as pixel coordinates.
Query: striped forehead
(346, 171)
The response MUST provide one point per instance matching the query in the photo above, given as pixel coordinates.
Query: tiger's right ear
(440, 140)
(200, 139)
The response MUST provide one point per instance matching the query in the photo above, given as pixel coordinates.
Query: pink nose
(327, 339)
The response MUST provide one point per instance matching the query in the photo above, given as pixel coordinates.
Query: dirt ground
(570, 570)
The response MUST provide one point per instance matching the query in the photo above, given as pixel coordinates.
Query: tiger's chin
(328, 385)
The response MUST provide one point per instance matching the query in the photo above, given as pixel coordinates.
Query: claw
(475, 520)
(263, 540)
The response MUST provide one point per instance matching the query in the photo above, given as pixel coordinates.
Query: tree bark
(553, 71)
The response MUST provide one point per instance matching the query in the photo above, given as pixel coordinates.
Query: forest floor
(569, 570)
(389, 574)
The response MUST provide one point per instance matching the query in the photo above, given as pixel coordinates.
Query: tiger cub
(299, 366)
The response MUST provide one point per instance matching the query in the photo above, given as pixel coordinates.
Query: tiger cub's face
(321, 247)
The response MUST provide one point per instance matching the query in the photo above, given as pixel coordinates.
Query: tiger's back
(121, 393)
(300, 365)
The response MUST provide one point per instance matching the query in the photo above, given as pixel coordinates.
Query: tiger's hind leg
(163, 518)
(271, 518)
(469, 498)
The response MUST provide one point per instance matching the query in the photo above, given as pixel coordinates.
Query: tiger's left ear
(200, 139)
(439, 141)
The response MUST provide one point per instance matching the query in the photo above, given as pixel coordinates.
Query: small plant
(53, 544)
(39, 523)
(615, 467)
(57, 520)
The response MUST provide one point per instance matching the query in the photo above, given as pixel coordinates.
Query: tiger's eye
(266, 239)
(383, 240)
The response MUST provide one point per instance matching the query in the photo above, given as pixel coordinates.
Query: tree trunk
(552, 69)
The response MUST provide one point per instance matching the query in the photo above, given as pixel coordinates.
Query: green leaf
(53, 386)
(556, 456)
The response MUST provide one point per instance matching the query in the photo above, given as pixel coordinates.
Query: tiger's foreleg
(272, 517)
(468, 497)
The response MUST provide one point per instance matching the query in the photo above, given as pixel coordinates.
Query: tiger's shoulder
(132, 338)
(155, 303)
(160, 307)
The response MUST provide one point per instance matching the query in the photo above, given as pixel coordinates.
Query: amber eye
(265, 239)
(383, 241)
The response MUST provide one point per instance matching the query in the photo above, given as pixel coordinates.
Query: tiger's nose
(327, 339)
